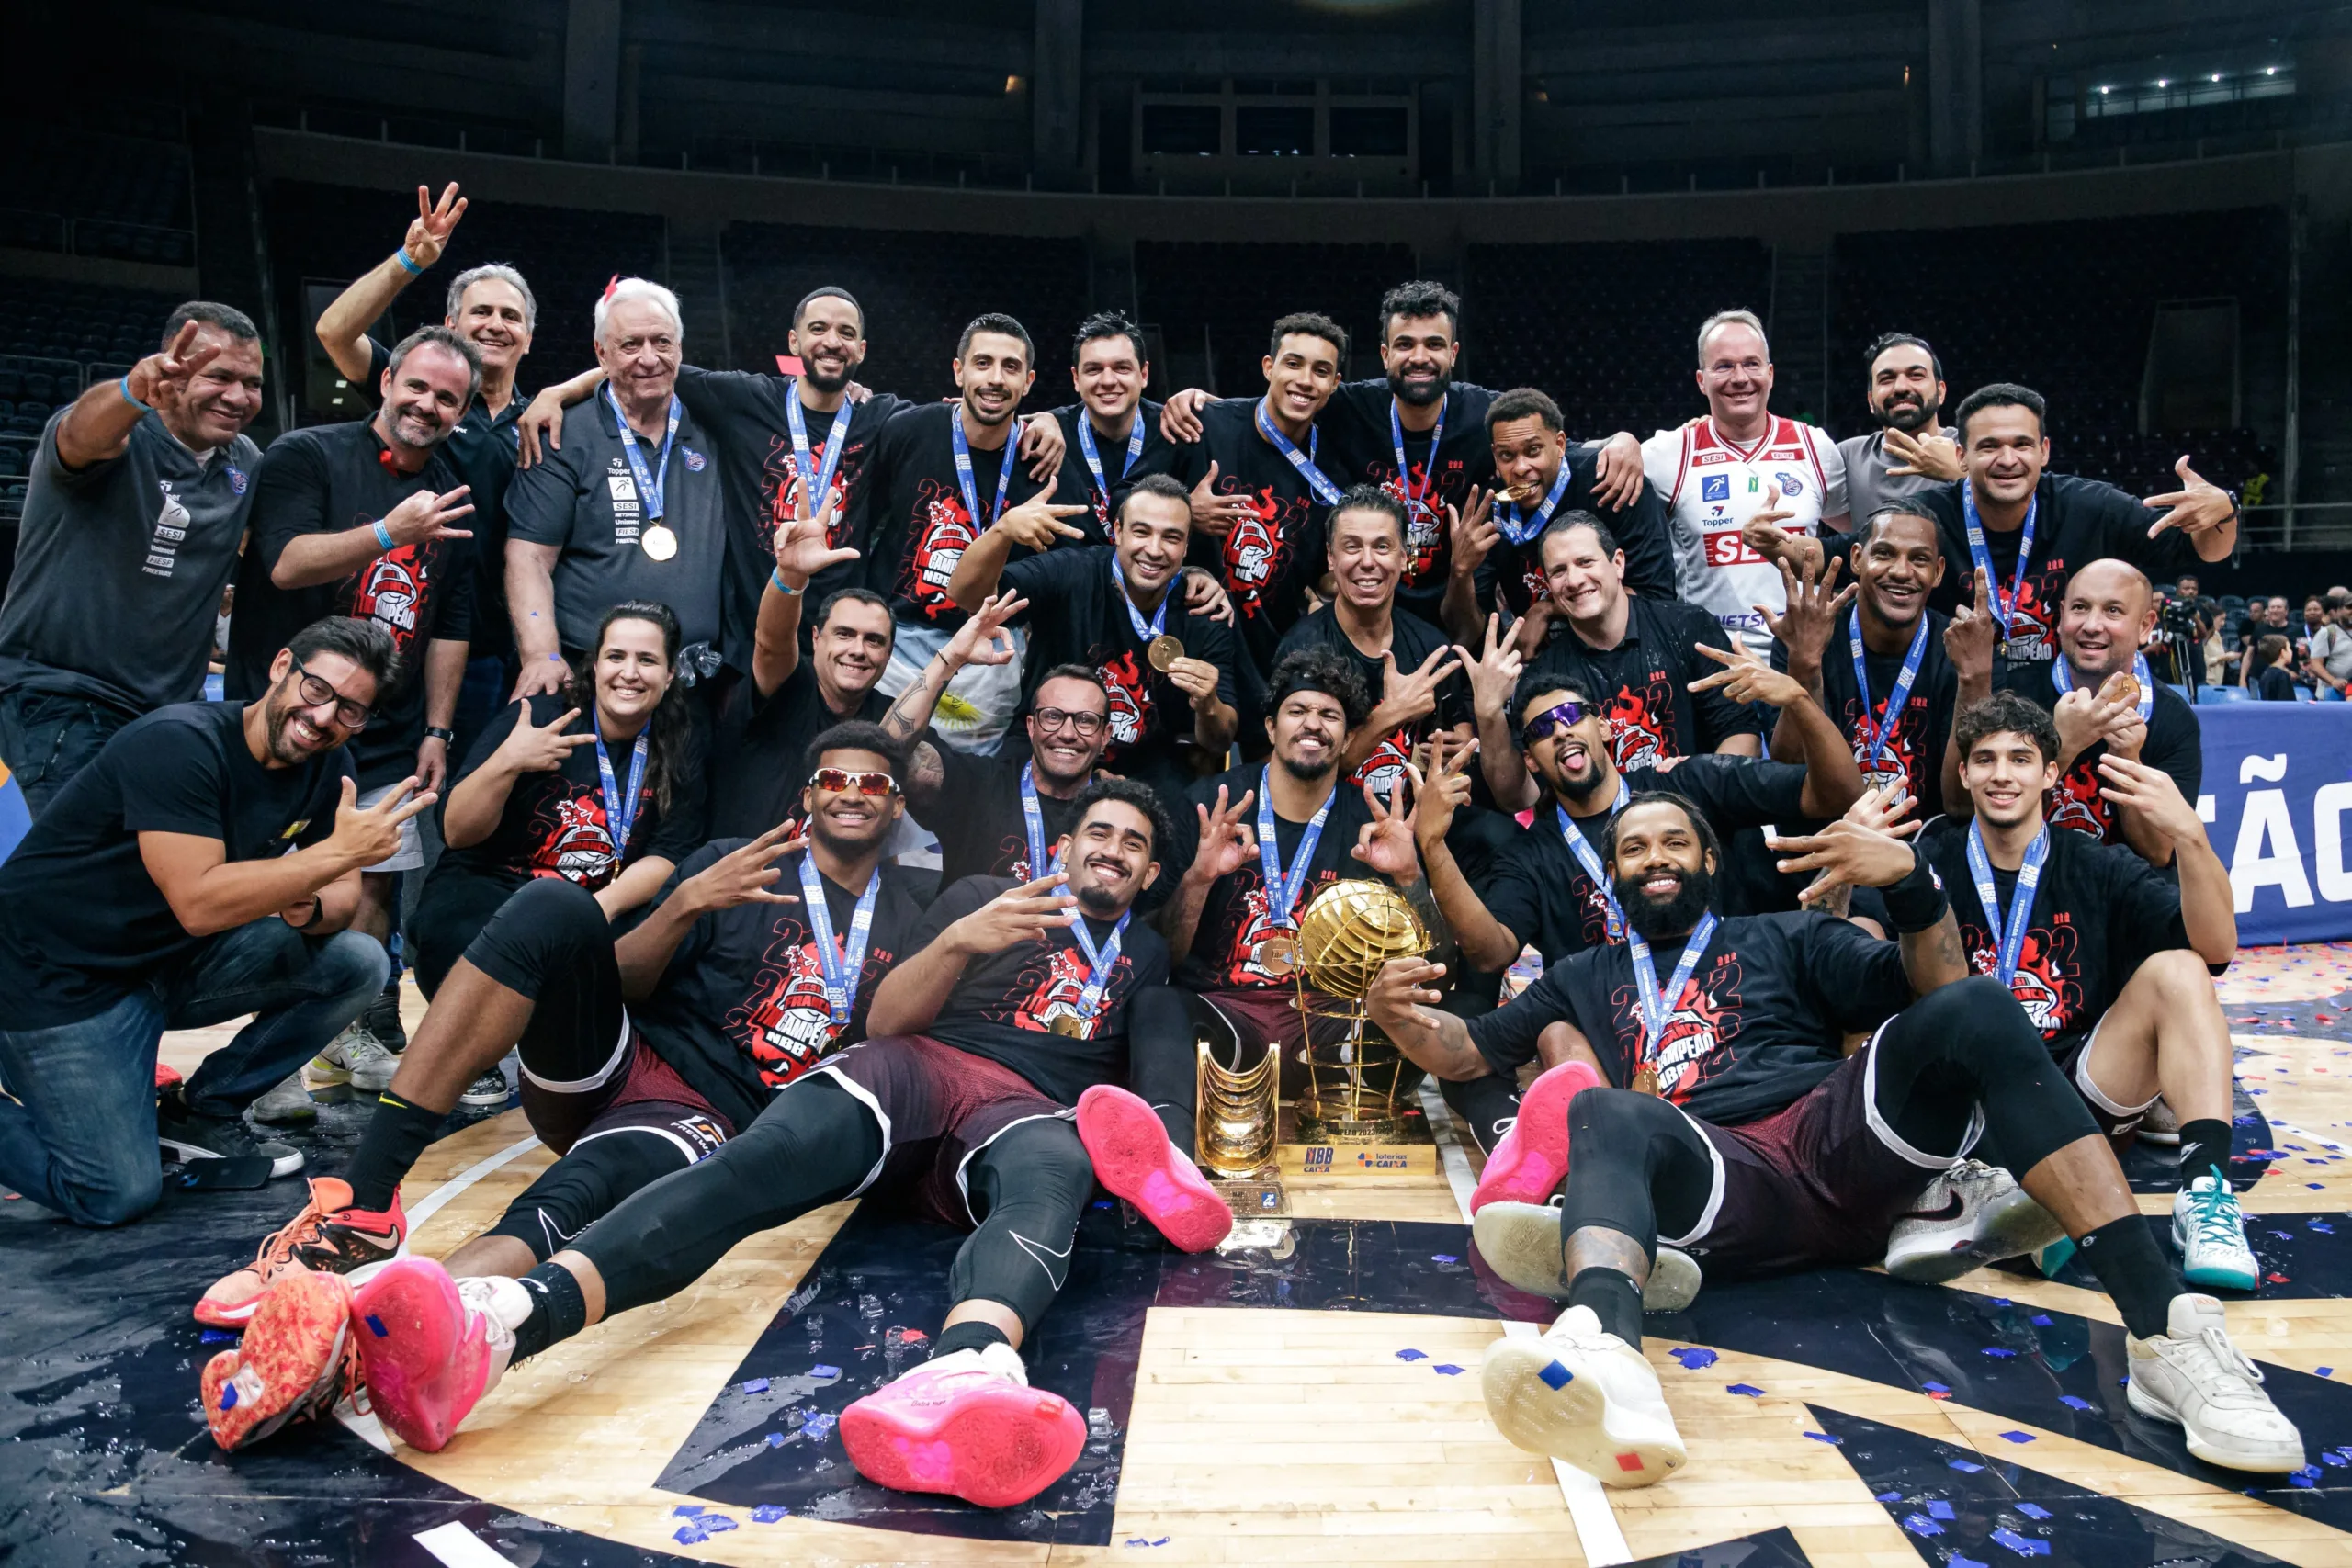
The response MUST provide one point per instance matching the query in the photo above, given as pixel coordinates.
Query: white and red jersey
(1712, 486)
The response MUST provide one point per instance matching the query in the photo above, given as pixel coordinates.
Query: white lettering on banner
(2269, 770)
(2329, 803)
(2264, 822)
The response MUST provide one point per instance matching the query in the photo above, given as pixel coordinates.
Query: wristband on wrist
(1918, 901)
(439, 732)
(789, 592)
(407, 266)
(133, 402)
(318, 908)
(383, 537)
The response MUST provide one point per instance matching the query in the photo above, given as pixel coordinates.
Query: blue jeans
(46, 739)
(80, 1135)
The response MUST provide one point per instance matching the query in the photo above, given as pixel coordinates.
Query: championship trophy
(1358, 1084)
(1236, 1142)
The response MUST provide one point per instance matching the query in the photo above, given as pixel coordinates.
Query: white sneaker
(371, 1064)
(2160, 1126)
(332, 1066)
(1520, 1242)
(2210, 1230)
(2193, 1376)
(1972, 1214)
(288, 1102)
(1586, 1398)
(503, 1304)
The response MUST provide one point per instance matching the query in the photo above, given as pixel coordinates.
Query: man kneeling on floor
(1763, 1148)
(203, 867)
(1020, 992)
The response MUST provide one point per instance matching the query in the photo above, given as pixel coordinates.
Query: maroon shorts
(1260, 1016)
(938, 1107)
(1819, 1182)
(633, 1088)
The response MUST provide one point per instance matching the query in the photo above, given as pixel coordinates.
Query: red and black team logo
(780, 484)
(2077, 803)
(1425, 531)
(570, 838)
(785, 1027)
(1053, 988)
(1240, 964)
(1705, 1020)
(1641, 724)
(1257, 549)
(391, 590)
(2033, 619)
(1129, 690)
(942, 531)
(1592, 913)
(1386, 767)
(1901, 758)
(2047, 983)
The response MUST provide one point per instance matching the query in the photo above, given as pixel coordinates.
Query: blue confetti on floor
(768, 1513)
(2017, 1436)
(1412, 1355)
(1825, 1437)
(757, 1385)
(2033, 1510)
(1748, 1389)
(1692, 1357)
(1919, 1524)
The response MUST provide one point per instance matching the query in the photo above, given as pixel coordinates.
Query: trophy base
(1257, 1196)
(1315, 1141)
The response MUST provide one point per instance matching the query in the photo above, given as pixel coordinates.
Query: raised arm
(98, 427)
(310, 560)
(1485, 943)
(910, 997)
(801, 551)
(981, 639)
(1035, 524)
(1225, 844)
(747, 875)
(1805, 630)
(1494, 677)
(342, 325)
(1832, 781)
(210, 893)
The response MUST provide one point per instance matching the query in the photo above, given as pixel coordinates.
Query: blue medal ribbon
(1104, 959)
(620, 811)
(1880, 729)
(1283, 888)
(1316, 481)
(964, 480)
(1144, 633)
(1590, 858)
(1658, 1006)
(1094, 458)
(1420, 500)
(817, 483)
(2064, 678)
(842, 969)
(1033, 817)
(2007, 927)
(2004, 606)
(1517, 529)
(648, 481)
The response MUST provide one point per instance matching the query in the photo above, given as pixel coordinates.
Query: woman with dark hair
(600, 785)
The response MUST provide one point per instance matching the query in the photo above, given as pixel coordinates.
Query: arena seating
(1237, 291)
(59, 336)
(126, 198)
(1606, 328)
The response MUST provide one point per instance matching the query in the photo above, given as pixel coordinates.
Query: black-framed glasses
(836, 781)
(1556, 720)
(1088, 725)
(316, 692)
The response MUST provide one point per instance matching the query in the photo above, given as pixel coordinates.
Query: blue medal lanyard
(842, 969)
(2003, 604)
(1158, 623)
(965, 482)
(1104, 959)
(1418, 501)
(2007, 927)
(1283, 888)
(1880, 729)
(2064, 678)
(1590, 858)
(1517, 529)
(1033, 817)
(1094, 458)
(1316, 481)
(816, 483)
(1657, 1006)
(620, 810)
(649, 482)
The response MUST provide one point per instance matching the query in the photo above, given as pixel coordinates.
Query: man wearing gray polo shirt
(138, 500)
(1911, 450)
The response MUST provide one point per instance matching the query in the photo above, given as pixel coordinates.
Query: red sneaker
(1133, 1158)
(430, 1347)
(298, 1358)
(1531, 1159)
(966, 1424)
(329, 1237)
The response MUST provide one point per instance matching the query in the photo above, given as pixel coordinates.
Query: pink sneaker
(430, 1347)
(1531, 1159)
(1132, 1158)
(966, 1424)
(297, 1359)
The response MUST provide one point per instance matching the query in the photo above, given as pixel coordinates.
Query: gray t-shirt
(2333, 648)
(120, 567)
(1868, 484)
(584, 498)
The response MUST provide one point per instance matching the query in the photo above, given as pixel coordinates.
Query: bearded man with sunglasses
(206, 866)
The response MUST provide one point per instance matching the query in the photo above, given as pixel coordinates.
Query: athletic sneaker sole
(2282, 1461)
(1132, 1158)
(483, 1100)
(996, 1446)
(1531, 1159)
(2010, 1226)
(2210, 1279)
(1543, 1407)
(287, 1164)
(1520, 1242)
(425, 1363)
(287, 1365)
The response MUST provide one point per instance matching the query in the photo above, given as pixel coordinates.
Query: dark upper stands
(58, 336)
(1234, 292)
(123, 197)
(917, 291)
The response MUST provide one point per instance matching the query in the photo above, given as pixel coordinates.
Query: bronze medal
(1278, 955)
(1070, 1025)
(1164, 653)
(1646, 1078)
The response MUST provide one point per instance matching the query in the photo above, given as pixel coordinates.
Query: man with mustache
(368, 519)
(1742, 1129)
(1911, 450)
(206, 866)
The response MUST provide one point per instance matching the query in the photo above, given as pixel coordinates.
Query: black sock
(971, 1334)
(1613, 1298)
(1178, 1120)
(2124, 1256)
(557, 1310)
(389, 1147)
(2204, 1145)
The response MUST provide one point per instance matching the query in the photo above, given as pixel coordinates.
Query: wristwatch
(436, 732)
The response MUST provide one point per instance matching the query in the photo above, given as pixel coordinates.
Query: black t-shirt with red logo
(977, 814)
(2174, 745)
(739, 1011)
(1075, 486)
(1411, 641)
(329, 479)
(1078, 615)
(2099, 912)
(1234, 920)
(915, 524)
(1267, 563)
(1645, 680)
(1004, 1007)
(1761, 1021)
(1513, 574)
(1362, 447)
(1915, 750)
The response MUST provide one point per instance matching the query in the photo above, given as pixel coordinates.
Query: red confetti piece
(2278, 1279)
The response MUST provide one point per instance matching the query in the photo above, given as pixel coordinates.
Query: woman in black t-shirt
(532, 799)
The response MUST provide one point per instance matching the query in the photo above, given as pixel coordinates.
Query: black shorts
(1819, 1182)
(938, 1107)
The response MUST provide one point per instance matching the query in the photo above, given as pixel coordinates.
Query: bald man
(2105, 620)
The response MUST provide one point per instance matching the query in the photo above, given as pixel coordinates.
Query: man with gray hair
(1741, 464)
(137, 501)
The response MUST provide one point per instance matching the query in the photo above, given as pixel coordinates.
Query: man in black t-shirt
(1111, 433)
(206, 866)
(979, 807)
(1528, 446)
(2109, 701)
(2109, 957)
(1020, 992)
(641, 1055)
(1763, 1147)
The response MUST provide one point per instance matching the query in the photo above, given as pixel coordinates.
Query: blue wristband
(401, 256)
(777, 577)
(134, 403)
(383, 537)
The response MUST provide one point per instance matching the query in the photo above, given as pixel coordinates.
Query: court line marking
(440, 1196)
(458, 1546)
(1596, 1523)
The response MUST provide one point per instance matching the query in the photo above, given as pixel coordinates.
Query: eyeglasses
(1088, 725)
(1550, 722)
(316, 692)
(835, 780)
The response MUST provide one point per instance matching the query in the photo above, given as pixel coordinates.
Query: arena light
(2162, 83)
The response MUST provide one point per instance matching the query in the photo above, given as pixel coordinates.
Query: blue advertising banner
(2277, 784)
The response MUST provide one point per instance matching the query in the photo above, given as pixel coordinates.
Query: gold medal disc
(1070, 1025)
(1164, 653)
(1646, 1080)
(1278, 956)
(659, 542)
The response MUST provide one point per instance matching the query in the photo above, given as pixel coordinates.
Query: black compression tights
(1028, 1189)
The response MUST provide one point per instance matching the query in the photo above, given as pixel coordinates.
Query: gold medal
(1164, 653)
(1646, 1078)
(1069, 1025)
(1278, 955)
(659, 542)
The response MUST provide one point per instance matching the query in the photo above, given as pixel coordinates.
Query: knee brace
(1969, 1045)
(586, 1185)
(1635, 1165)
(1029, 1188)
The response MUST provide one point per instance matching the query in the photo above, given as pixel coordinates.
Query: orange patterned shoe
(329, 1237)
(297, 1359)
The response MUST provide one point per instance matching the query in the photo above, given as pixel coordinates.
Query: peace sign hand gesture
(538, 749)
(2199, 506)
(428, 231)
(161, 380)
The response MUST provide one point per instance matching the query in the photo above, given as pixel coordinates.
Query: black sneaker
(187, 1134)
(383, 1019)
